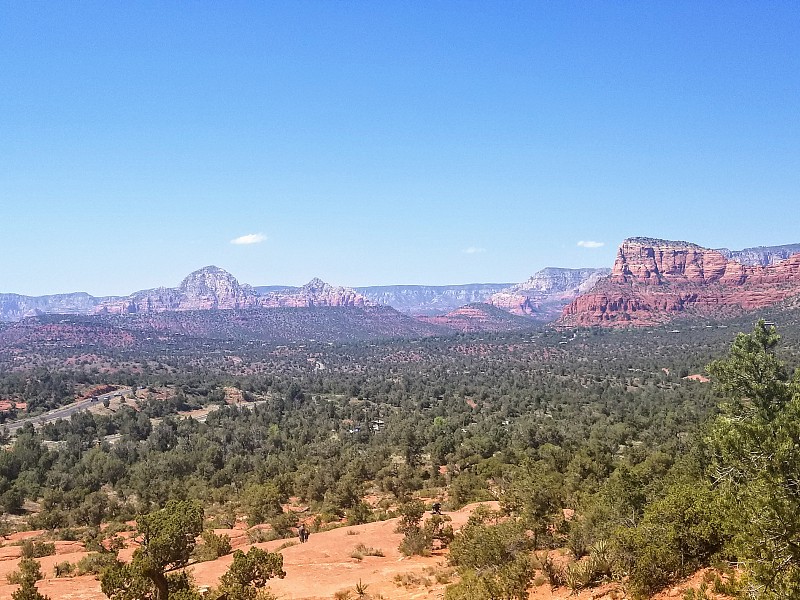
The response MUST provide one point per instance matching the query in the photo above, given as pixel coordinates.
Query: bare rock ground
(317, 569)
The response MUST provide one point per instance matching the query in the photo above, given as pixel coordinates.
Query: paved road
(64, 412)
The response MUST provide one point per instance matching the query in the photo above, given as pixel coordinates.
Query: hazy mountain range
(651, 281)
(215, 288)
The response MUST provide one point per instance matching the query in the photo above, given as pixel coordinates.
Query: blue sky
(374, 143)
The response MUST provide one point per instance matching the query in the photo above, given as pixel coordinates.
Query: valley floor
(316, 570)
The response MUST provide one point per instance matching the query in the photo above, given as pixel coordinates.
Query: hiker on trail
(437, 508)
(303, 533)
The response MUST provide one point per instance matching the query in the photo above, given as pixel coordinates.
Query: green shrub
(64, 569)
(213, 546)
(258, 535)
(37, 549)
(67, 534)
(283, 523)
(415, 543)
(94, 563)
(29, 571)
(678, 534)
(554, 573)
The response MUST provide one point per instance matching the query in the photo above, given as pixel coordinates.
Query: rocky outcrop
(546, 292)
(761, 255)
(430, 299)
(542, 296)
(315, 293)
(653, 280)
(214, 288)
(515, 303)
(206, 288)
(479, 317)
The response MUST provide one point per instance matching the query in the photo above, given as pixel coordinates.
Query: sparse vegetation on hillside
(588, 439)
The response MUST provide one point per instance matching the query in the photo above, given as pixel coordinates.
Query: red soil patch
(319, 568)
(315, 570)
(698, 377)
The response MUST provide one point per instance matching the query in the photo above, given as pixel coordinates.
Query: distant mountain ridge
(208, 288)
(14, 307)
(214, 288)
(204, 289)
(315, 293)
(761, 255)
(430, 299)
(546, 292)
(541, 296)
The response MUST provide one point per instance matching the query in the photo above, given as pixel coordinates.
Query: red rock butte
(654, 280)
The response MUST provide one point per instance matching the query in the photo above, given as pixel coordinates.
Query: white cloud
(590, 244)
(474, 250)
(250, 238)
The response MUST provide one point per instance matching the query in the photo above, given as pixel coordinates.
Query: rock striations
(547, 291)
(430, 299)
(653, 280)
(315, 293)
(761, 255)
(206, 288)
(214, 288)
(479, 317)
(14, 307)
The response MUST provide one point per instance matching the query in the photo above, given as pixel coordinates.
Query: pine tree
(756, 445)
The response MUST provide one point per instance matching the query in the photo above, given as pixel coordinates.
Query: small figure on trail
(436, 509)
(303, 533)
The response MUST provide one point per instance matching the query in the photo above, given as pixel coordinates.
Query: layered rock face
(206, 288)
(315, 293)
(14, 307)
(761, 255)
(547, 291)
(652, 280)
(214, 288)
(430, 299)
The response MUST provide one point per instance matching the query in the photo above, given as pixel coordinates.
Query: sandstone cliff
(653, 280)
(761, 255)
(430, 299)
(315, 293)
(546, 292)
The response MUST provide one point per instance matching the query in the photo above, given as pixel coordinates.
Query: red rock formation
(315, 293)
(478, 317)
(652, 280)
(518, 304)
(546, 292)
